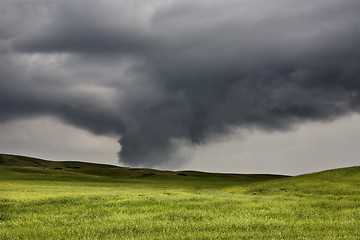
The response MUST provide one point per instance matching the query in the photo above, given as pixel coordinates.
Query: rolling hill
(27, 164)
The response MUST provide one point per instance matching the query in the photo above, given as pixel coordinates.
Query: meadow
(69, 200)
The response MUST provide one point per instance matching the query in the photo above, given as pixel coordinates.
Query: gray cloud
(167, 72)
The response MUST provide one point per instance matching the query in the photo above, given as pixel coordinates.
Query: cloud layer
(161, 74)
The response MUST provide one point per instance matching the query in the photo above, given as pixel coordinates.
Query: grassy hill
(342, 181)
(42, 199)
(22, 164)
(23, 161)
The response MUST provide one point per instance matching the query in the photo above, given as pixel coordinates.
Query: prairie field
(70, 200)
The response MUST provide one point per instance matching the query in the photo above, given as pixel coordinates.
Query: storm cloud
(161, 74)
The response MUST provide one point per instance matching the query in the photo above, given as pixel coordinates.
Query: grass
(107, 202)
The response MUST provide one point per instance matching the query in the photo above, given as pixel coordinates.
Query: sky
(248, 86)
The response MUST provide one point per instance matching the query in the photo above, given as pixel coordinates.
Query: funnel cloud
(164, 74)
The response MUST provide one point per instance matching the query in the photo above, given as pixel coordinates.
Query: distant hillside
(343, 181)
(22, 161)
(19, 163)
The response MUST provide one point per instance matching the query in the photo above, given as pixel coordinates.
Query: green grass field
(71, 200)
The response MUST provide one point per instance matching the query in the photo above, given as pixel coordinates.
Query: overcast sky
(249, 86)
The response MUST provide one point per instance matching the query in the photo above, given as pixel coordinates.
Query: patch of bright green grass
(43, 203)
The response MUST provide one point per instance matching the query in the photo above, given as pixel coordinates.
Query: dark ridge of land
(96, 172)
(19, 163)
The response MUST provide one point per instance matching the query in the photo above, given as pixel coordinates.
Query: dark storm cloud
(25, 94)
(182, 71)
(79, 27)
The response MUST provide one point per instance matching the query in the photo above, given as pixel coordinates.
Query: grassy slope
(20, 162)
(107, 202)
